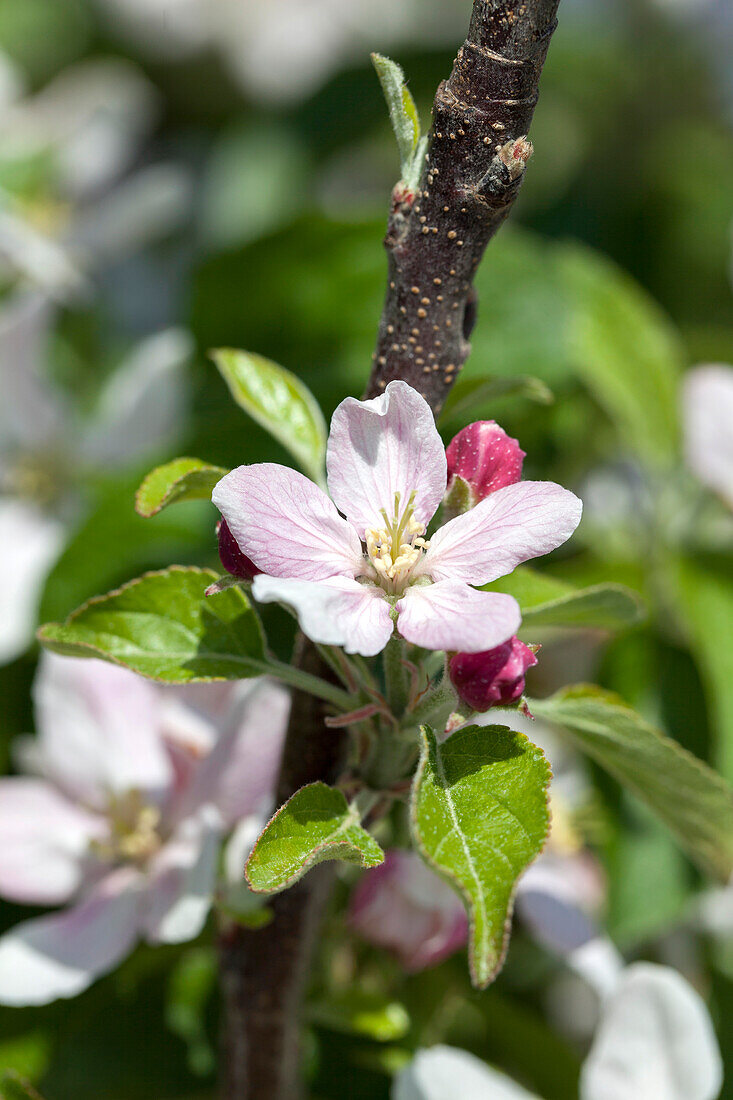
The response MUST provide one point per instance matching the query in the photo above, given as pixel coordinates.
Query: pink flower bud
(484, 456)
(492, 678)
(404, 907)
(232, 558)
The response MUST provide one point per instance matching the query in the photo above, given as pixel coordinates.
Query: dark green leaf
(181, 479)
(163, 627)
(314, 825)
(479, 818)
(693, 801)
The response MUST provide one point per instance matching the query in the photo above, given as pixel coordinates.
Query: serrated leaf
(625, 350)
(468, 393)
(316, 824)
(479, 817)
(547, 601)
(179, 480)
(163, 627)
(693, 801)
(280, 403)
(402, 113)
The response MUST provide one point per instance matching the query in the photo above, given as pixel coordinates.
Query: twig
(476, 158)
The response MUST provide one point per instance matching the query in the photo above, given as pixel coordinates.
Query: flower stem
(313, 685)
(441, 695)
(396, 676)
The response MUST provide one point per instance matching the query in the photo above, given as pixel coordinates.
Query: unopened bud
(493, 678)
(232, 558)
(485, 457)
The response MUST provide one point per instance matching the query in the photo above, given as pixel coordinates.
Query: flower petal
(341, 612)
(381, 447)
(182, 879)
(61, 955)
(444, 1071)
(30, 542)
(708, 424)
(510, 526)
(99, 729)
(655, 1039)
(44, 839)
(450, 615)
(285, 524)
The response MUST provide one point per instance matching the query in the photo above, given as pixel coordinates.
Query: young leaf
(479, 817)
(280, 403)
(547, 601)
(693, 801)
(468, 393)
(181, 479)
(162, 627)
(314, 825)
(403, 116)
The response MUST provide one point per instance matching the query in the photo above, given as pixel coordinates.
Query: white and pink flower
(135, 786)
(358, 566)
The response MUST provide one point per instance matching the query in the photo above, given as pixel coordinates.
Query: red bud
(232, 558)
(484, 456)
(492, 678)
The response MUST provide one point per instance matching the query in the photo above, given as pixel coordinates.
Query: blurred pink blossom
(135, 785)
(708, 427)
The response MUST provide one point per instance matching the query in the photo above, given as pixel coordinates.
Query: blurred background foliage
(613, 277)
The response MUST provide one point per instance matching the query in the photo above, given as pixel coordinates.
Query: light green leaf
(280, 403)
(402, 113)
(693, 801)
(547, 601)
(316, 824)
(469, 393)
(625, 350)
(163, 627)
(479, 817)
(181, 479)
(358, 1012)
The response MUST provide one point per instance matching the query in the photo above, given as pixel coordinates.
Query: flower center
(134, 836)
(395, 549)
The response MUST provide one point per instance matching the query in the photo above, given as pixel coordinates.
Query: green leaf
(163, 627)
(314, 825)
(625, 350)
(280, 403)
(13, 1087)
(359, 1012)
(693, 801)
(547, 601)
(402, 113)
(479, 817)
(181, 479)
(468, 393)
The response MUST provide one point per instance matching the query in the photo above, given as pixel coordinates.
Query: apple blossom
(404, 907)
(135, 787)
(493, 678)
(359, 565)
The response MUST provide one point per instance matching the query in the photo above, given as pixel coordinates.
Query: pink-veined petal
(182, 878)
(655, 1039)
(62, 954)
(285, 524)
(99, 729)
(510, 526)
(44, 839)
(451, 615)
(342, 612)
(381, 447)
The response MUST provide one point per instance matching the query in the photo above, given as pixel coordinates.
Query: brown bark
(435, 240)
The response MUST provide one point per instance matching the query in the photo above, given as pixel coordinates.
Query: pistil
(396, 548)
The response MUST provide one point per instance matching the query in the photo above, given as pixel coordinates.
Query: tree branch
(476, 158)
